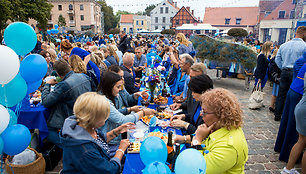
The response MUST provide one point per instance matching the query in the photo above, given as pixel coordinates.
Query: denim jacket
(82, 154)
(61, 100)
(124, 100)
(116, 119)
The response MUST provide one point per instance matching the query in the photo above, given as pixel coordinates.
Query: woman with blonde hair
(185, 45)
(77, 64)
(112, 52)
(261, 72)
(221, 133)
(86, 148)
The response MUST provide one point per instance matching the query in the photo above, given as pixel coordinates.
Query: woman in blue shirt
(67, 47)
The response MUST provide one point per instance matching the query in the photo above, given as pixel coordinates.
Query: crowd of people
(95, 100)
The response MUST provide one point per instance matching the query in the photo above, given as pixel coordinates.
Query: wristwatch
(195, 142)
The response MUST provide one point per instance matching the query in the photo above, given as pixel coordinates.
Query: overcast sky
(197, 5)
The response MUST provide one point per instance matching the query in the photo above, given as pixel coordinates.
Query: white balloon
(4, 118)
(9, 64)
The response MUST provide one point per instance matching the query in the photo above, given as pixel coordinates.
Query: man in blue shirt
(140, 62)
(287, 54)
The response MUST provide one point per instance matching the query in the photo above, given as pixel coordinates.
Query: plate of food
(146, 119)
(134, 147)
(160, 100)
(160, 135)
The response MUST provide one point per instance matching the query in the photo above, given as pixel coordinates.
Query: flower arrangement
(152, 81)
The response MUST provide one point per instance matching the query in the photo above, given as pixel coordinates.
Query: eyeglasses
(137, 52)
(203, 113)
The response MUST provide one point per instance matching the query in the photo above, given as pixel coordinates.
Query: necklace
(95, 133)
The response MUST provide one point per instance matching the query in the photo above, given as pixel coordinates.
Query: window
(71, 18)
(188, 21)
(156, 27)
(81, 7)
(124, 29)
(177, 22)
(161, 10)
(164, 27)
(82, 17)
(166, 10)
(238, 21)
(267, 13)
(305, 15)
(171, 19)
(227, 20)
(141, 22)
(164, 3)
(156, 19)
(164, 19)
(293, 1)
(292, 14)
(136, 22)
(70, 7)
(131, 30)
(60, 7)
(281, 14)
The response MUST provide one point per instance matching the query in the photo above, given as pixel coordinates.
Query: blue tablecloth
(35, 118)
(133, 163)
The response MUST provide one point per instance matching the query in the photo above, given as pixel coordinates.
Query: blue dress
(287, 134)
(178, 86)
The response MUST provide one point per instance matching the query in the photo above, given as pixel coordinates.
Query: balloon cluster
(16, 81)
(153, 153)
(54, 30)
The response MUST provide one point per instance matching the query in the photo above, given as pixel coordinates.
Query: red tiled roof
(187, 11)
(217, 16)
(269, 5)
(173, 5)
(284, 6)
(126, 18)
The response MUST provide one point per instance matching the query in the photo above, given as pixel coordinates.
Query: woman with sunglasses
(226, 149)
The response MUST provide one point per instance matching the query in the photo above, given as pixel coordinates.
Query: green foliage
(23, 10)
(61, 21)
(224, 52)
(168, 31)
(237, 32)
(114, 31)
(149, 9)
(110, 20)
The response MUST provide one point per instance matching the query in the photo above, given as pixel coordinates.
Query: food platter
(159, 115)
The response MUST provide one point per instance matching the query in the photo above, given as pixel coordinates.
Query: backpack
(274, 72)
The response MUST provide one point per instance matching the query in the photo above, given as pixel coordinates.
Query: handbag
(257, 97)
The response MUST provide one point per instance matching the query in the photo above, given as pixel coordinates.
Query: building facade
(132, 23)
(80, 15)
(162, 14)
(184, 16)
(226, 18)
(279, 26)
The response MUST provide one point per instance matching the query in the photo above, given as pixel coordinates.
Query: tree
(168, 31)
(149, 9)
(23, 10)
(61, 21)
(114, 31)
(110, 20)
(237, 32)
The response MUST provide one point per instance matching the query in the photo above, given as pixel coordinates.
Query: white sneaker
(291, 171)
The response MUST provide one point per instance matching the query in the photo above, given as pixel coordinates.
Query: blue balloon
(13, 92)
(32, 87)
(190, 161)
(33, 68)
(21, 37)
(111, 35)
(49, 32)
(56, 26)
(16, 139)
(153, 149)
(156, 168)
(13, 117)
(54, 31)
(1, 145)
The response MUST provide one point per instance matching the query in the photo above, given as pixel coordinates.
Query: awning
(143, 31)
(196, 27)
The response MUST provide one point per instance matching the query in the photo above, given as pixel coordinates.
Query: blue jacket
(178, 86)
(184, 49)
(297, 84)
(298, 65)
(112, 60)
(116, 119)
(129, 80)
(82, 154)
(61, 100)
(124, 100)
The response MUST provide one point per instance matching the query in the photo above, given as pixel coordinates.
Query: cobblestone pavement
(259, 127)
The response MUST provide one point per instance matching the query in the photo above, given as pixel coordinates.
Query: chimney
(175, 4)
(198, 19)
(192, 12)
(188, 8)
